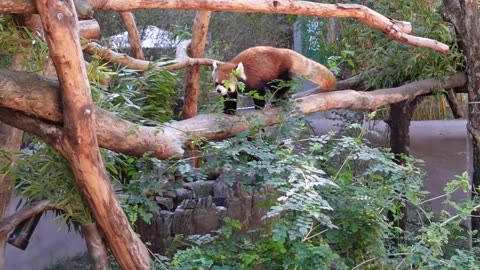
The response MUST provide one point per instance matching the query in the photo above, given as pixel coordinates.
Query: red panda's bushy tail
(313, 71)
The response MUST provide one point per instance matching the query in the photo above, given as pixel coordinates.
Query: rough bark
(168, 140)
(133, 35)
(464, 15)
(78, 142)
(192, 77)
(396, 30)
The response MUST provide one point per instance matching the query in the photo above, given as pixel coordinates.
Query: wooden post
(78, 141)
(133, 35)
(96, 247)
(192, 77)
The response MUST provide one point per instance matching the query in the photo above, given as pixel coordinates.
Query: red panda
(260, 68)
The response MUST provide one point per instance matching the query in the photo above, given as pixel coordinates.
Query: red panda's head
(226, 76)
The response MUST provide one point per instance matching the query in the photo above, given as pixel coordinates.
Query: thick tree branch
(89, 29)
(167, 141)
(396, 30)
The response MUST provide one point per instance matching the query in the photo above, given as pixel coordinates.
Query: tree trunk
(464, 16)
(192, 77)
(96, 247)
(401, 114)
(77, 142)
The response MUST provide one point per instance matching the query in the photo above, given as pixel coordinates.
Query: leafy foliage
(396, 63)
(333, 195)
(17, 40)
(41, 173)
(140, 179)
(147, 98)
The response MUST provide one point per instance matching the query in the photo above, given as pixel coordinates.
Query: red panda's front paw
(229, 112)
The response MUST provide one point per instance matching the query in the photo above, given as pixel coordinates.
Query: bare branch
(50, 133)
(182, 60)
(89, 29)
(9, 223)
(396, 30)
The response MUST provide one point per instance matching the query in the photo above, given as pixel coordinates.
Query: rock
(183, 194)
(239, 204)
(158, 233)
(201, 189)
(165, 203)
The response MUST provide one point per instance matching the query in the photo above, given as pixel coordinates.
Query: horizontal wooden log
(89, 29)
(168, 140)
(396, 30)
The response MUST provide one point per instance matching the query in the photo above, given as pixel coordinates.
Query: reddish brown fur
(263, 64)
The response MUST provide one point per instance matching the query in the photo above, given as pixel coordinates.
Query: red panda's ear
(214, 67)
(241, 71)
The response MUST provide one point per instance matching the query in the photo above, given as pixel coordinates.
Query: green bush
(331, 212)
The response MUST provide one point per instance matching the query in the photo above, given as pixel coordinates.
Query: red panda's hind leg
(280, 87)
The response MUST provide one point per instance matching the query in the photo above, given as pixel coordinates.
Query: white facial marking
(232, 88)
(221, 89)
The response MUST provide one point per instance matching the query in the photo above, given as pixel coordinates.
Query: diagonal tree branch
(7, 224)
(79, 141)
